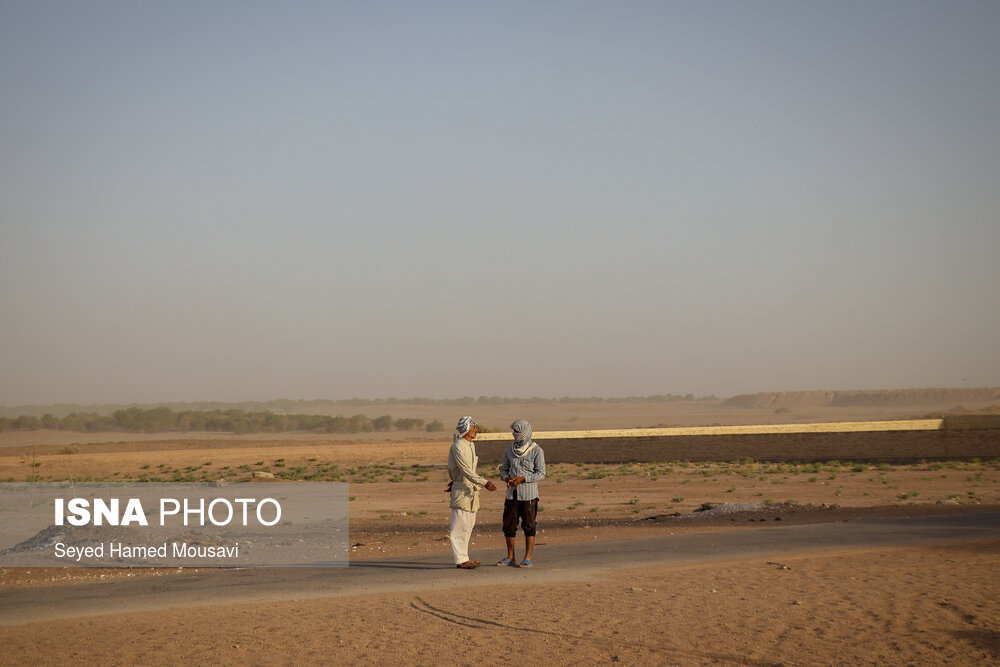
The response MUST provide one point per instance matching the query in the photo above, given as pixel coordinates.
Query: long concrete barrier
(963, 437)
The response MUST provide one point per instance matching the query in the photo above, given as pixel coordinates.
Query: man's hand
(448, 490)
(490, 486)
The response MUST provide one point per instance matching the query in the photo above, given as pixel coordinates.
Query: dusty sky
(245, 201)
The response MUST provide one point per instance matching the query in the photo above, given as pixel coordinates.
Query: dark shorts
(524, 511)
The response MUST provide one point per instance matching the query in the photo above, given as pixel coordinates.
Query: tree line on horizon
(504, 400)
(303, 406)
(163, 419)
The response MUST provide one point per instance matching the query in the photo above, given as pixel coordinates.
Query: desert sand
(913, 604)
(917, 605)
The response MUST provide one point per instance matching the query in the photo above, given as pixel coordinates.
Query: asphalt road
(579, 561)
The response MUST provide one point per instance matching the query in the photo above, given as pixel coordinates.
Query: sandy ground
(914, 605)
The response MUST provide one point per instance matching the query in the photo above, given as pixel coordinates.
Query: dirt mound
(993, 409)
(742, 512)
(960, 418)
(782, 399)
(45, 539)
(862, 398)
(914, 397)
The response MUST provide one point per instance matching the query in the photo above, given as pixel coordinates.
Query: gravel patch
(719, 509)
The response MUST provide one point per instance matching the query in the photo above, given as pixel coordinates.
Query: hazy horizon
(240, 201)
(490, 400)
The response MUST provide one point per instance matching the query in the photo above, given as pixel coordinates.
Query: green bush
(383, 423)
(408, 424)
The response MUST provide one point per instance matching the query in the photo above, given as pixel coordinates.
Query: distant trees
(163, 419)
(408, 424)
(505, 400)
(89, 422)
(383, 423)
(137, 420)
(259, 417)
(26, 423)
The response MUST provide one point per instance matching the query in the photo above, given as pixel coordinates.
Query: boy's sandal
(525, 563)
(503, 562)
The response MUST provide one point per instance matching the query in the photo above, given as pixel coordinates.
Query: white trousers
(462, 523)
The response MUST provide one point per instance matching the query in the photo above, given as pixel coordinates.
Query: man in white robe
(464, 486)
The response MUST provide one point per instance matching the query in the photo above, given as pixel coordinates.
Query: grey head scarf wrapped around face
(522, 437)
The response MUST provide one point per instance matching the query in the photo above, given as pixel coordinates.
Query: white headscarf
(464, 424)
(522, 437)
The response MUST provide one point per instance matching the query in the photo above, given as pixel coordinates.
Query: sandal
(468, 565)
(525, 563)
(504, 562)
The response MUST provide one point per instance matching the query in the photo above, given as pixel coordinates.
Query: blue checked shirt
(531, 467)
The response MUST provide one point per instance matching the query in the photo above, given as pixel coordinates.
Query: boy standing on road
(522, 468)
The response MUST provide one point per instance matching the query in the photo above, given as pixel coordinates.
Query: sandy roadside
(913, 605)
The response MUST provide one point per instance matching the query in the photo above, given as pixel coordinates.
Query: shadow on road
(398, 565)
